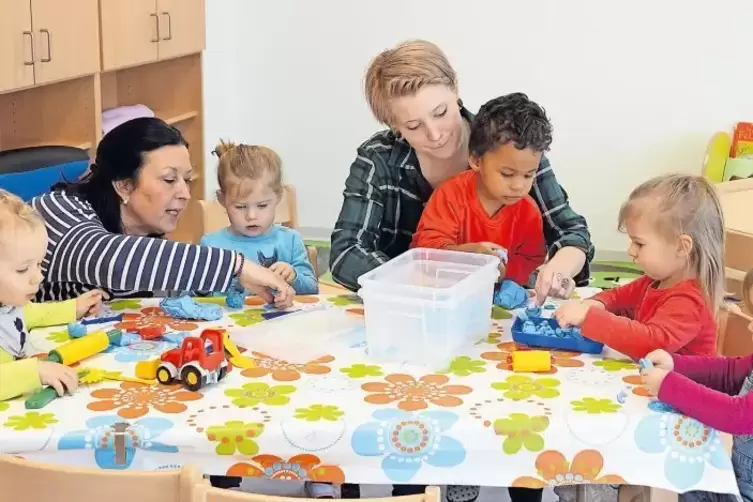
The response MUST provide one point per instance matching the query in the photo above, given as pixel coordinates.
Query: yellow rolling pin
(81, 348)
(531, 360)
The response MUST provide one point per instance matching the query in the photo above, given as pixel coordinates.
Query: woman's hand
(261, 281)
(555, 276)
(89, 303)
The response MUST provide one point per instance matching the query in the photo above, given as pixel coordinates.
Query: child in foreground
(250, 179)
(716, 391)
(23, 243)
(676, 231)
(487, 209)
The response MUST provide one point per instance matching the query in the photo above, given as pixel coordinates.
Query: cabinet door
(16, 40)
(66, 36)
(130, 33)
(182, 27)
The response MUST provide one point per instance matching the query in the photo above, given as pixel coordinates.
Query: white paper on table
(302, 336)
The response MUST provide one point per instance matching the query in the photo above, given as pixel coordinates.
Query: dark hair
(120, 156)
(511, 118)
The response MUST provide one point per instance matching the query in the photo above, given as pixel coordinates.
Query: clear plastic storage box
(426, 304)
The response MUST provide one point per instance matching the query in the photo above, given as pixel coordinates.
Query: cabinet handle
(169, 26)
(31, 46)
(156, 22)
(49, 48)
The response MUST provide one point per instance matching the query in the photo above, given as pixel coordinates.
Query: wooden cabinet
(17, 45)
(66, 36)
(47, 40)
(135, 32)
(182, 27)
(130, 33)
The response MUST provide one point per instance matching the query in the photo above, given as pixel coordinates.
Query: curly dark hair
(511, 118)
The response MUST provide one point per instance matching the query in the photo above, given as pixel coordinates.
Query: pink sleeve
(725, 374)
(730, 414)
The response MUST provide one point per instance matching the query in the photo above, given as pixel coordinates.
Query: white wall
(634, 89)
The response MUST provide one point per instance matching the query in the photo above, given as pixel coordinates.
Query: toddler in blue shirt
(250, 179)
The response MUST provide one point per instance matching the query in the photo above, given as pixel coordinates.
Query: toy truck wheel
(191, 378)
(164, 375)
(223, 373)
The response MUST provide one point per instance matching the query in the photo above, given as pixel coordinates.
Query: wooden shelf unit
(57, 76)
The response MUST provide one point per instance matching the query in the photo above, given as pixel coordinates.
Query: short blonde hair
(403, 71)
(14, 211)
(682, 204)
(240, 163)
(747, 288)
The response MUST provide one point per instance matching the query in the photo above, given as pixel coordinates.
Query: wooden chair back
(26, 481)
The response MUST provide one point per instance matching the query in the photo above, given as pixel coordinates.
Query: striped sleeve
(80, 250)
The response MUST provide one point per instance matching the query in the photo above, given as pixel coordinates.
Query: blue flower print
(101, 432)
(688, 445)
(140, 351)
(407, 440)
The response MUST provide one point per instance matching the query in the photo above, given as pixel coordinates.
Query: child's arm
(439, 227)
(622, 300)
(730, 414)
(528, 250)
(305, 282)
(675, 323)
(725, 374)
(40, 315)
(17, 377)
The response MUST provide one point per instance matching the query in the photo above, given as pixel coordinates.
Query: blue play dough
(544, 327)
(510, 295)
(661, 407)
(175, 337)
(184, 307)
(533, 311)
(236, 296)
(645, 364)
(502, 253)
(76, 330)
(621, 397)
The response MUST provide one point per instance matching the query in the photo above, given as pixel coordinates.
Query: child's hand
(653, 378)
(661, 359)
(573, 313)
(284, 270)
(60, 377)
(89, 303)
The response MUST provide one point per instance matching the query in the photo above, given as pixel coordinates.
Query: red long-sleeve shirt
(454, 216)
(707, 388)
(640, 318)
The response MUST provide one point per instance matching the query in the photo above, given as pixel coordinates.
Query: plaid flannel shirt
(384, 197)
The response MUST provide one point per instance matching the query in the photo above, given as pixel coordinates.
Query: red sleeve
(528, 249)
(725, 374)
(622, 300)
(730, 414)
(439, 226)
(676, 322)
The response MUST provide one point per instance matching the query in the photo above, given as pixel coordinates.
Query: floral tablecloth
(345, 417)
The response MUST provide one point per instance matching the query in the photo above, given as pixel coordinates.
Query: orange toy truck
(194, 363)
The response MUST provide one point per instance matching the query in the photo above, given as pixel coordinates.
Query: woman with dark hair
(106, 229)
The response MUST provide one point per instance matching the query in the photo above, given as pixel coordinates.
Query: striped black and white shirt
(82, 255)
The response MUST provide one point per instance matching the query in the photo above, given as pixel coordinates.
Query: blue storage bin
(570, 340)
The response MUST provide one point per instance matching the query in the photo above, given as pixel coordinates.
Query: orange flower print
(153, 317)
(300, 467)
(135, 399)
(639, 390)
(555, 470)
(283, 371)
(415, 395)
(560, 358)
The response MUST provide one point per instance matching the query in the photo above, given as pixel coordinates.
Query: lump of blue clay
(502, 253)
(184, 307)
(622, 397)
(533, 311)
(510, 295)
(235, 296)
(529, 327)
(660, 407)
(76, 330)
(175, 337)
(645, 364)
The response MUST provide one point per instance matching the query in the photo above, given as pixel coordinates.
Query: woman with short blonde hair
(413, 89)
